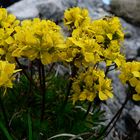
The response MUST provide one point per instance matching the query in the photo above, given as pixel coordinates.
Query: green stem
(74, 72)
(108, 68)
(50, 69)
(42, 88)
(25, 73)
(43, 91)
(87, 112)
(67, 94)
(31, 78)
(114, 120)
(21, 67)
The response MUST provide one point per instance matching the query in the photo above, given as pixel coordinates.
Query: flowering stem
(116, 117)
(42, 87)
(68, 93)
(73, 74)
(21, 67)
(87, 112)
(31, 77)
(43, 91)
(107, 69)
(114, 120)
(50, 69)
(25, 73)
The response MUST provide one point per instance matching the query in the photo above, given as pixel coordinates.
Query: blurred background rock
(129, 9)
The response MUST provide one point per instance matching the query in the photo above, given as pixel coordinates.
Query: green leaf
(5, 131)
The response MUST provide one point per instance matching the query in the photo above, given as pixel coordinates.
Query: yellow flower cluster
(8, 23)
(93, 41)
(130, 73)
(6, 74)
(38, 39)
(76, 17)
(90, 42)
(90, 84)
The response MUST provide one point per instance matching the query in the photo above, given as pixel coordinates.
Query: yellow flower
(104, 88)
(87, 95)
(39, 39)
(76, 17)
(86, 50)
(8, 23)
(130, 70)
(100, 40)
(109, 27)
(111, 57)
(136, 97)
(130, 73)
(6, 74)
(90, 84)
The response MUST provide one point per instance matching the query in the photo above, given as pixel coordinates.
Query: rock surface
(129, 9)
(50, 9)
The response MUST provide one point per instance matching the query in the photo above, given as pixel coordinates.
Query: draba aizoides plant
(53, 105)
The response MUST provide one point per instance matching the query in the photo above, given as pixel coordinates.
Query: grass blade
(5, 131)
(29, 125)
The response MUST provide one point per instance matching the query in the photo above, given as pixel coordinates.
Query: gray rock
(49, 9)
(113, 105)
(135, 113)
(128, 9)
(94, 7)
(132, 43)
(24, 9)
